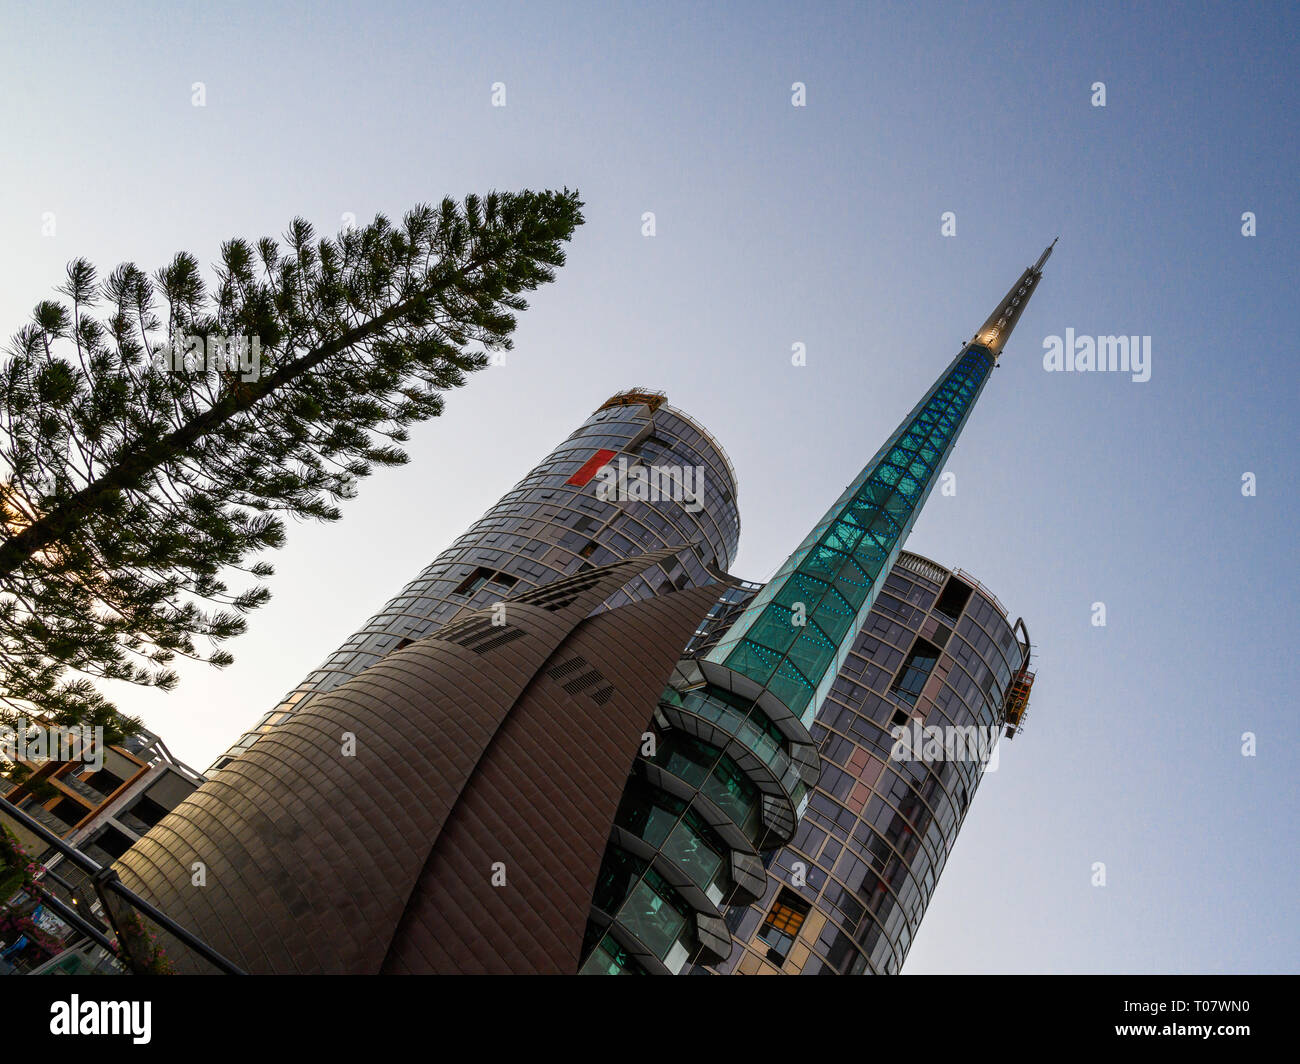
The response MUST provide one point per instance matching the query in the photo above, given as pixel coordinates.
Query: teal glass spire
(794, 635)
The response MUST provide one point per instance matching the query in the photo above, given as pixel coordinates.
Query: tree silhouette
(138, 477)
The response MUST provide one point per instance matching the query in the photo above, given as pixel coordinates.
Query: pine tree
(149, 455)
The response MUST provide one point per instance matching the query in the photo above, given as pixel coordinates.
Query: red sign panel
(590, 468)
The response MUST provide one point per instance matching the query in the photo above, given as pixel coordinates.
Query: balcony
(765, 759)
(45, 818)
(132, 822)
(81, 788)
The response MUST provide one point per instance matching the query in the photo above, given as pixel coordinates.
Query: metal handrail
(108, 879)
(71, 916)
(971, 579)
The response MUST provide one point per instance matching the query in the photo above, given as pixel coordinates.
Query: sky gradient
(819, 225)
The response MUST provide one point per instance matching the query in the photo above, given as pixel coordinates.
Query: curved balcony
(776, 766)
(638, 913)
(684, 844)
(727, 777)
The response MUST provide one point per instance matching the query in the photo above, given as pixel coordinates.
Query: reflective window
(916, 670)
(781, 927)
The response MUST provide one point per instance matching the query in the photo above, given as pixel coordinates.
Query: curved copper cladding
(542, 801)
(484, 748)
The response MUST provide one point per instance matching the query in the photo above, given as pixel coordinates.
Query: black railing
(106, 881)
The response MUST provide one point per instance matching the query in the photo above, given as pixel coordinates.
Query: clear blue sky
(818, 225)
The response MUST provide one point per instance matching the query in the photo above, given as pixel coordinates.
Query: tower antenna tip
(1038, 266)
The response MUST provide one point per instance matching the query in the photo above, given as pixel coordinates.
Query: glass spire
(793, 636)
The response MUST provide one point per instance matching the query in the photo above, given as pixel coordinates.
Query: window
(915, 671)
(781, 927)
(481, 577)
(656, 916)
(105, 782)
(110, 841)
(609, 958)
(953, 600)
(70, 812)
(651, 447)
(146, 810)
(841, 953)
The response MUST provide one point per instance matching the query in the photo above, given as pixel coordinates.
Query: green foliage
(132, 493)
(17, 868)
(11, 881)
(139, 948)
